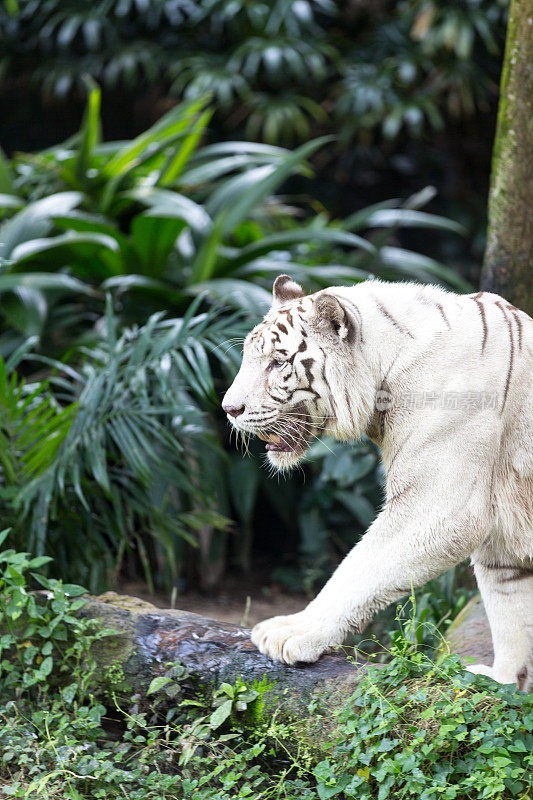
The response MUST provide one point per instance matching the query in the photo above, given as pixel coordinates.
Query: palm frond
(132, 434)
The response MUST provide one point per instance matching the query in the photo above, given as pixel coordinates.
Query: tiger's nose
(233, 411)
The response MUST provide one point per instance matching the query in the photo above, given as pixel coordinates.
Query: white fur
(459, 480)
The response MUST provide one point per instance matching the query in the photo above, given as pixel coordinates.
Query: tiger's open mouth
(294, 441)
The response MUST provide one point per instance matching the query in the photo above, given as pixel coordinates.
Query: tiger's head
(302, 374)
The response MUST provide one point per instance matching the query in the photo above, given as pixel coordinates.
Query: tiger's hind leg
(507, 592)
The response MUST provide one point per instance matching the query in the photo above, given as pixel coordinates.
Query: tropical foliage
(163, 218)
(119, 447)
(282, 67)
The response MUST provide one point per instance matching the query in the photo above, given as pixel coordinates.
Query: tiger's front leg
(392, 557)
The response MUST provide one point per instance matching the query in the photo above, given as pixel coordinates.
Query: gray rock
(148, 639)
(469, 634)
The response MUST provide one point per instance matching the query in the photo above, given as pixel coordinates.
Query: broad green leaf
(186, 148)
(262, 188)
(40, 561)
(229, 192)
(83, 222)
(69, 692)
(141, 283)
(286, 239)
(175, 122)
(153, 239)
(358, 219)
(235, 148)
(215, 168)
(420, 267)
(73, 589)
(220, 715)
(164, 203)
(156, 684)
(226, 688)
(43, 280)
(205, 261)
(74, 249)
(46, 666)
(34, 221)
(407, 218)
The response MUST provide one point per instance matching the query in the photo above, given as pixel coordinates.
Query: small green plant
(423, 618)
(39, 632)
(417, 729)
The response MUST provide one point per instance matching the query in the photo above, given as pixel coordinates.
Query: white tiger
(443, 383)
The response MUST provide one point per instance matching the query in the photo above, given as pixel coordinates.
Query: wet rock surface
(148, 639)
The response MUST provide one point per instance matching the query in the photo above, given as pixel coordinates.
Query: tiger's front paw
(294, 638)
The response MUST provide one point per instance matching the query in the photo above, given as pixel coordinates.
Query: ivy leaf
(46, 667)
(69, 692)
(157, 684)
(220, 715)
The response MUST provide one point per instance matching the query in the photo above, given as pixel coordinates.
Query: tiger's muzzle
(290, 433)
(294, 441)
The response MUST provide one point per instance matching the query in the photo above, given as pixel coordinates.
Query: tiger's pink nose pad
(233, 411)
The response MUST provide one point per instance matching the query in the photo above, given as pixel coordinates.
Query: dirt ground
(241, 602)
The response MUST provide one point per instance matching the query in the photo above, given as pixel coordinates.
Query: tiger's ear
(284, 290)
(332, 318)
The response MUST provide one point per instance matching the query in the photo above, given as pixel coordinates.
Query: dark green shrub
(416, 729)
(281, 66)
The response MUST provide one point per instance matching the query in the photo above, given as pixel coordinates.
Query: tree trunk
(508, 267)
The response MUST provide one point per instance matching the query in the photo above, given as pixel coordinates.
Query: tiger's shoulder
(482, 316)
